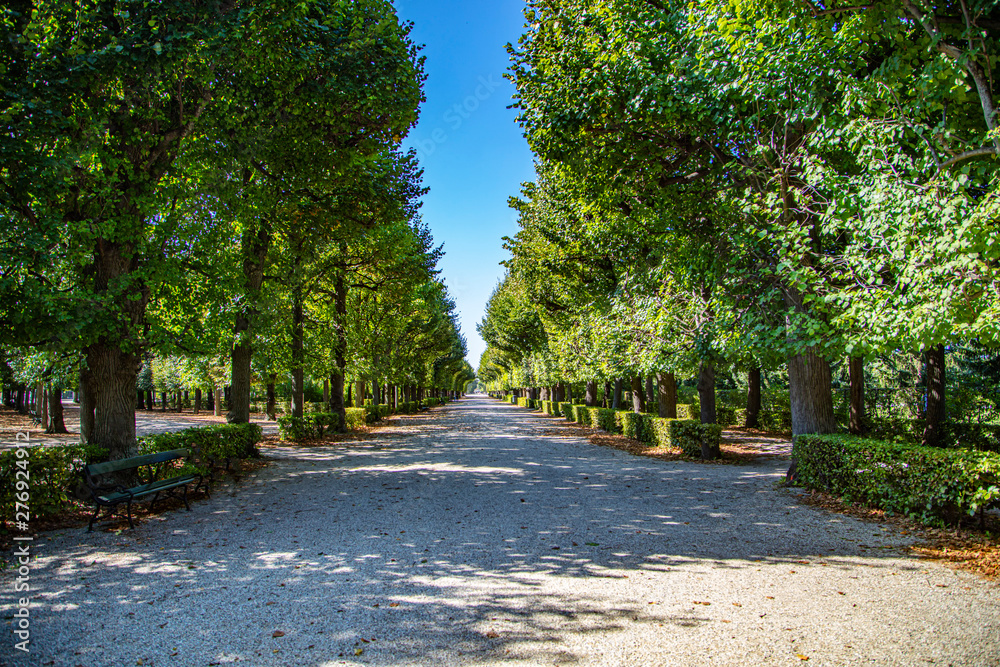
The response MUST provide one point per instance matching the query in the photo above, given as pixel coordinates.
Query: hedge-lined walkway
(482, 534)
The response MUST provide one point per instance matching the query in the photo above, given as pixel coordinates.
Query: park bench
(110, 494)
(36, 419)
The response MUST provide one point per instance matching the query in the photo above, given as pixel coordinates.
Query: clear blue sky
(472, 152)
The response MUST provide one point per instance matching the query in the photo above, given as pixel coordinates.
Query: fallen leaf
(277, 633)
(393, 604)
(704, 603)
(801, 657)
(737, 604)
(492, 634)
(358, 651)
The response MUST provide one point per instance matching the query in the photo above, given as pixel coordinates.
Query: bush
(297, 429)
(566, 410)
(605, 418)
(53, 477)
(355, 417)
(431, 402)
(725, 415)
(935, 486)
(581, 414)
(629, 424)
(215, 442)
(689, 411)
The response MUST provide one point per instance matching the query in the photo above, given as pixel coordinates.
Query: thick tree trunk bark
(856, 421)
(591, 396)
(706, 392)
(56, 422)
(163, 401)
(753, 398)
(254, 246)
(936, 411)
(149, 398)
(44, 412)
(298, 353)
(180, 401)
(810, 389)
(217, 401)
(650, 392)
(376, 393)
(638, 404)
(616, 395)
(140, 399)
(197, 400)
(667, 386)
(272, 397)
(87, 403)
(114, 373)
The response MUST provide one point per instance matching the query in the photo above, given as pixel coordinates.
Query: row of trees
(218, 181)
(754, 183)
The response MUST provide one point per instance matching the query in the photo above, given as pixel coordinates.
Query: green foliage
(297, 429)
(53, 477)
(932, 485)
(566, 410)
(630, 424)
(208, 443)
(355, 417)
(688, 411)
(605, 418)
(581, 415)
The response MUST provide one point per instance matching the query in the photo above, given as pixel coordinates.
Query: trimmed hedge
(355, 417)
(218, 441)
(935, 486)
(630, 424)
(566, 410)
(581, 414)
(431, 402)
(54, 473)
(689, 411)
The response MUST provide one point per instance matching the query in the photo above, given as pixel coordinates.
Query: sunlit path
(478, 535)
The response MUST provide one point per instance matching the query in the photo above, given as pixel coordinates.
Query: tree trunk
(140, 399)
(591, 396)
(87, 403)
(180, 401)
(936, 412)
(271, 396)
(217, 401)
(163, 401)
(856, 422)
(197, 400)
(376, 391)
(56, 422)
(114, 373)
(616, 396)
(753, 398)
(638, 404)
(650, 392)
(606, 399)
(149, 398)
(810, 389)
(44, 412)
(254, 245)
(298, 353)
(706, 392)
(667, 389)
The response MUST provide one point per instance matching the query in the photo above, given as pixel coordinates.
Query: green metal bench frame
(111, 495)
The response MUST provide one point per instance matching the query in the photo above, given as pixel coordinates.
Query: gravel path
(474, 536)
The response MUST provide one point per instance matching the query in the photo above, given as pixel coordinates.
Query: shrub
(581, 415)
(725, 415)
(297, 429)
(629, 424)
(355, 417)
(689, 411)
(215, 442)
(935, 486)
(431, 402)
(53, 477)
(605, 418)
(566, 410)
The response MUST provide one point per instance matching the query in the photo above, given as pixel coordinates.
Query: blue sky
(472, 152)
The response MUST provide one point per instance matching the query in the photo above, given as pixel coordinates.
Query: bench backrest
(96, 469)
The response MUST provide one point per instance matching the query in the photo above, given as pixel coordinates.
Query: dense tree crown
(746, 185)
(214, 192)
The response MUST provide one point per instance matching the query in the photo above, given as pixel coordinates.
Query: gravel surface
(469, 536)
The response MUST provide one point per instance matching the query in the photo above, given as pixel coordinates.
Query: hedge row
(53, 475)
(217, 442)
(936, 486)
(313, 425)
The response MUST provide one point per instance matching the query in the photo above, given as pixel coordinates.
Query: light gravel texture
(476, 535)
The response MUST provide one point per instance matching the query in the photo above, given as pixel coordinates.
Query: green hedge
(604, 418)
(566, 410)
(935, 486)
(218, 441)
(54, 474)
(629, 424)
(581, 414)
(689, 411)
(431, 402)
(355, 417)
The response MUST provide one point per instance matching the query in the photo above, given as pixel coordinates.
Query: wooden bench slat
(95, 469)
